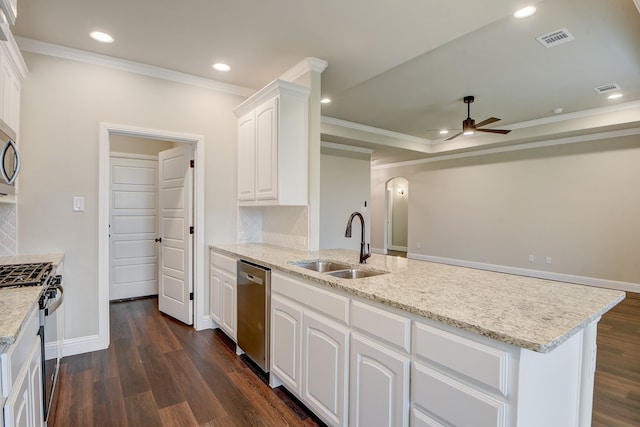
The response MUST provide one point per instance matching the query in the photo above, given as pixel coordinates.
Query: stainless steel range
(42, 274)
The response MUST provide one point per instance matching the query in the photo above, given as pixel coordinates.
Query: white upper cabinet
(273, 140)
(12, 71)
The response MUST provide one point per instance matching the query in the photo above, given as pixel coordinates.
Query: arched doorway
(397, 216)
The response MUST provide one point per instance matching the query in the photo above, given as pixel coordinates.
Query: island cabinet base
(404, 369)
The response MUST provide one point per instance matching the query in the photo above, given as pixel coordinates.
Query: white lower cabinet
(223, 293)
(22, 365)
(325, 363)
(404, 370)
(286, 343)
(310, 346)
(379, 384)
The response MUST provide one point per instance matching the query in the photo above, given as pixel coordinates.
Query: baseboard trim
(559, 277)
(87, 344)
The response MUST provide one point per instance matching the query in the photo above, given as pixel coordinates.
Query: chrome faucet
(347, 233)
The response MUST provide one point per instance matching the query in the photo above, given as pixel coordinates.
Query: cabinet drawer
(224, 262)
(381, 324)
(485, 364)
(325, 302)
(454, 402)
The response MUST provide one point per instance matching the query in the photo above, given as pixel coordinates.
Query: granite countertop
(17, 303)
(530, 313)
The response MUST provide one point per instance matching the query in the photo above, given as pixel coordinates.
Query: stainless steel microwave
(9, 160)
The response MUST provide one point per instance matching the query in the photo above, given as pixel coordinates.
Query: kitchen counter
(16, 303)
(530, 313)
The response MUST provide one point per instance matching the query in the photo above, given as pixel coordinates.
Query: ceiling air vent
(555, 38)
(613, 87)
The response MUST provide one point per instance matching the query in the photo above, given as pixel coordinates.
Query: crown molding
(518, 147)
(344, 147)
(371, 129)
(308, 64)
(42, 48)
(577, 114)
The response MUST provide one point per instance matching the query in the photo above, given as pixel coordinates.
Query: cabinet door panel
(325, 353)
(229, 309)
(286, 342)
(246, 157)
(267, 151)
(35, 384)
(215, 294)
(379, 385)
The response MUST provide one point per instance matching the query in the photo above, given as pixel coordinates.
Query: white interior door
(133, 228)
(176, 245)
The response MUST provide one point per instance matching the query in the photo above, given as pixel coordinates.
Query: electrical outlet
(532, 258)
(548, 260)
(418, 245)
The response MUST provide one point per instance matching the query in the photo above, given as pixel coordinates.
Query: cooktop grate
(24, 274)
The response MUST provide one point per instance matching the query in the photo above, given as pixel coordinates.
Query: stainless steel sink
(322, 266)
(355, 273)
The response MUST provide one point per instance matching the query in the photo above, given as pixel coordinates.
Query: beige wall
(577, 203)
(344, 187)
(134, 145)
(63, 103)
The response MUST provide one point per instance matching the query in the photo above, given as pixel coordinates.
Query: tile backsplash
(8, 235)
(279, 225)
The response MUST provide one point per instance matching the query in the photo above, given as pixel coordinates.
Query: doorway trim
(106, 130)
(388, 217)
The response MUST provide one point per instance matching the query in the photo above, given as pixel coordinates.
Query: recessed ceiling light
(101, 37)
(444, 132)
(325, 101)
(615, 96)
(221, 66)
(524, 12)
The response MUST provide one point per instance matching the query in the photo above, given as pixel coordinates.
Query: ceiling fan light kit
(469, 126)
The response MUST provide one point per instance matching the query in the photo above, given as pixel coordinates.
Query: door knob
(159, 239)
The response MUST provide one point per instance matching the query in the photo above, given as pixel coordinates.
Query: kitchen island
(513, 350)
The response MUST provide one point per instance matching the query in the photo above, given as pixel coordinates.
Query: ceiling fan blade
(502, 131)
(488, 121)
(454, 136)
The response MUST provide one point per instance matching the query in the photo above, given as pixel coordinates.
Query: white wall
(577, 203)
(345, 184)
(63, 104)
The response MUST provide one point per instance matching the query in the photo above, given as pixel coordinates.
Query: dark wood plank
(202, 400)
(164, 387)
(179, 415)
(133, 378)
(617, 378)
(75, 401)
(141, 410)
(108, 403)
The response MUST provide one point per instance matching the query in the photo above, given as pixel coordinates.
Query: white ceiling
(401, 66)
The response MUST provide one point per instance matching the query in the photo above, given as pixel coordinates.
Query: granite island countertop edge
(563, 319)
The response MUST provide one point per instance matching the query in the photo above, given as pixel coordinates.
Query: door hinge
(191, 296)
(191, 230)
(192, 163)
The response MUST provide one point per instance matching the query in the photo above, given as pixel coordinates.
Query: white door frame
(107, 129)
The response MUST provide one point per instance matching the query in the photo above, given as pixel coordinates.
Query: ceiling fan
(469, 125)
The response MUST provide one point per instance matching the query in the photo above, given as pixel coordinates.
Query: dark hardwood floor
(616, 400)
(159, 372)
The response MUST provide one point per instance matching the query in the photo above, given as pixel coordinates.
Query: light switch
(78, 204)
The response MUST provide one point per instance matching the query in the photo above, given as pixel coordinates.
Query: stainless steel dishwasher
(254, 296)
